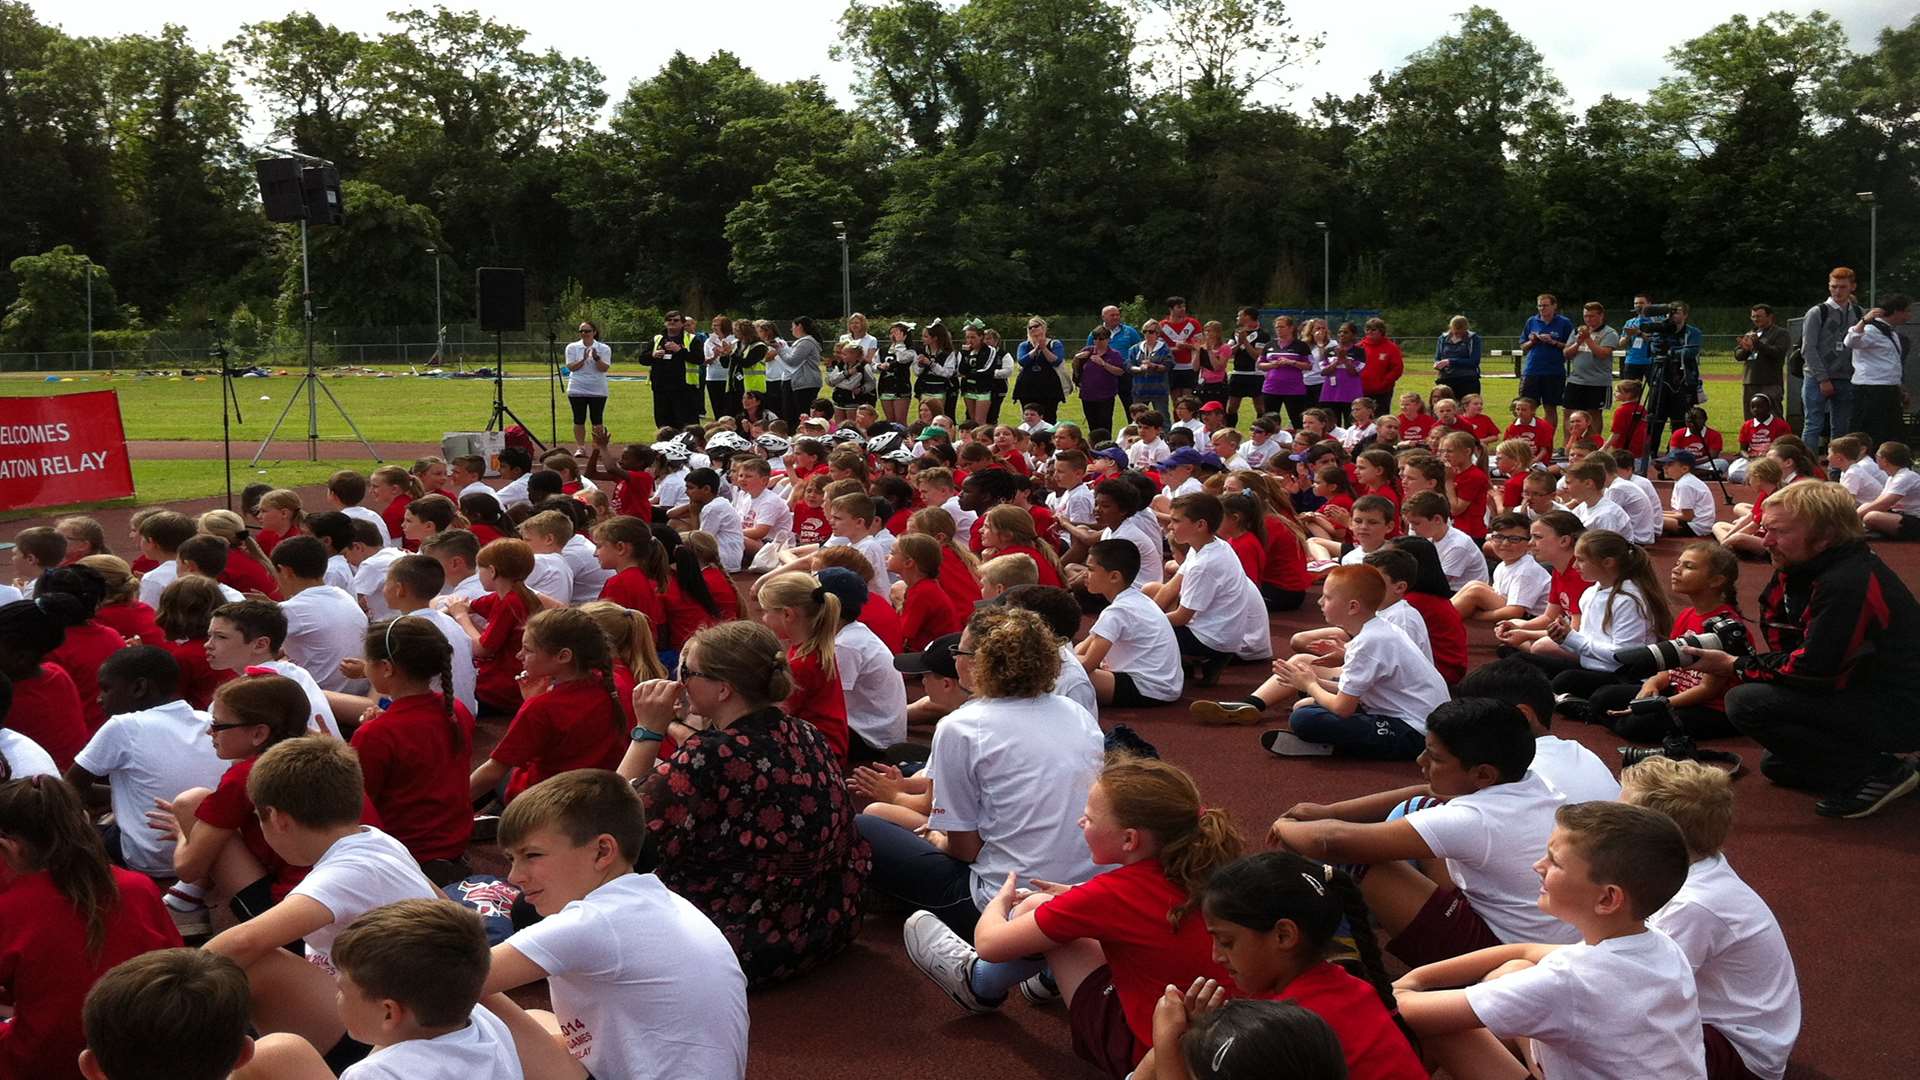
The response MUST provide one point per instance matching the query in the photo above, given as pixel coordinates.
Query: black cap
(937, 659)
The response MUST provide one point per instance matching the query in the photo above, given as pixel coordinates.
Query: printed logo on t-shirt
(578, 1039)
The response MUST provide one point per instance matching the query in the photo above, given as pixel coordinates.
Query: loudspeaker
(320, 187)
(503, 298)
(280, 189)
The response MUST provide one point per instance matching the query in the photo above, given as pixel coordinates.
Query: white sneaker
(944, 957)
(190, 916)
(1037, 990)
(1286, 744)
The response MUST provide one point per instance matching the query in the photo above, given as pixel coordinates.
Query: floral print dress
(753, 825)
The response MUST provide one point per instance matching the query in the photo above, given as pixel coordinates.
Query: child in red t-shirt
(1697, 438)
(957, 563)
(1469, 488)
(1758, 433)
(1272, 917)
(1553, 537)
(626, 546)
(46, 706)
(1008, 529)
(1416, 423)
(1707, 576)
(1244, 528)
(927, 611)
(389, 489)
(504, 567)
(1628, 428)
(1531, 429)
(1428, 593)
(186, 609)
(810, 524)
(1376, 473)
(806, 617)
(1145, 817)
(1283, 578)
(416, 751)
(88, 642)
(67, 917)
(568, 718)
(699, 593)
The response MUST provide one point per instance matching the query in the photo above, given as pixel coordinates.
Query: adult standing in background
(1639, 354)
(747, 367)
(1385, 363)
(1590, 362)
(588, 361)
(779, 396)
(802, 358)
(1182, 333)
(1121, 338)
(1101, 367)
(1456, 358)
(1827, 391)
(1544, 376)
(1763, 356)
(1039, 358)
(719, 354)
(1250, 344)
(1878, 365)
(675, 373)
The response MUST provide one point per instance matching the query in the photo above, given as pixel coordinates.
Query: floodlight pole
(846, 274)
(89, 259)
(1326, 269)
(1873, 246)
(440, 331)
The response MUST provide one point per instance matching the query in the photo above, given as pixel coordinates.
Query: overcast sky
(790, 38)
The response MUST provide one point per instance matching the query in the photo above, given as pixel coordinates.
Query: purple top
(1096, 382)
(1343, 381)
(1288, 379)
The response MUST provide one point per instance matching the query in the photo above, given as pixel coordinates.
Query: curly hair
(1015, 654)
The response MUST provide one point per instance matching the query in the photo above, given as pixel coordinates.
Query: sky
(788, 39)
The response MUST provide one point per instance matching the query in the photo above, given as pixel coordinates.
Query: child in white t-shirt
(1858, 473)
(1215, 608)
(325, 625)
(1572, 769)
(1586, 490)
(1491, 829)
(1520, 584)
(1131, 654)
(410, 975)
(309, 796)
(370, 560)
(1896, 512)
(1693, 509)
(1429, 517)
(547, 533)
(644, 986)
(152, 747)
(1618, 1003)
(1749, 993)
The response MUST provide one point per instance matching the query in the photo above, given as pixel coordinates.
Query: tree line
(998, 156)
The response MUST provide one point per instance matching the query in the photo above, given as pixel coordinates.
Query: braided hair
(418, 648)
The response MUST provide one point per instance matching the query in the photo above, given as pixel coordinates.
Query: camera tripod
(1658, 410)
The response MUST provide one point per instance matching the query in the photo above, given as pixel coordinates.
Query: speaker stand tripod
(501, 413)
(310, 381)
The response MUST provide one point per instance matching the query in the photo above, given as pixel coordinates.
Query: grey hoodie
(1822, 345)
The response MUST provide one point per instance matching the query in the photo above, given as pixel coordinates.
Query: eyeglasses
(217, 728)
(683, 673)
(1508, 538)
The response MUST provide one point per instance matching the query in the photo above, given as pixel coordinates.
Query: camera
(1679, 747)
(1725, 633)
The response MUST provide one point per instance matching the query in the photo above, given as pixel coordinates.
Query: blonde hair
(1016, 524)
(922, 551)
(748, 657)
(122, 585)
(1699, 798)
(395, 476)
(631, 636)
(282, 499)
(936, 522)
(551, 525)
(228, 526)
(802, 592)
(1008, 571)
(1826, 508)
(1160, 798)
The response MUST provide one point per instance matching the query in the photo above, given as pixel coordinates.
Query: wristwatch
(643, 733)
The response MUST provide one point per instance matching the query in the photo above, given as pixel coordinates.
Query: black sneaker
(1126, 739)
(1871, 793)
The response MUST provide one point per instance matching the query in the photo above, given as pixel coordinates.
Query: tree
(919, 76)
(313, 78)
(783, 240)
(51, 309)
(370, 271)
(1224, 49)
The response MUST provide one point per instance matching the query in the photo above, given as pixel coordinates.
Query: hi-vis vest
(750, 371)
(691, 367)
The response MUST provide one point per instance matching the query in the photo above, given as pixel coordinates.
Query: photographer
(1831, 697)
(1673, 345)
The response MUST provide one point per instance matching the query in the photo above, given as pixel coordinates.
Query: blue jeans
(913, 871)
(1827, 417)
(1362, 735)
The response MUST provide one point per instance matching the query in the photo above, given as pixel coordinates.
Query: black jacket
(1840, 621)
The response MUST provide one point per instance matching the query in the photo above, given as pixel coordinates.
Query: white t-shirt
(361, 871)
(1605, 514)
(154, 582)
(1491, 838)
(479, 487)
(1143, 645)
(1074, 684)
(875, 692)
(587, 380)
(1691, 493)
(1523, 583)
(1863, 480)
(1145, 455)
(1353, 556)
(672, 489)
(339, 574)
(1408, 619)
(552, 576)
(876, 548)
(1906, 484)
(1190, 486)
(1748, 989)
(1075, 505)
(1595, 642)
(1391, 675)
(1017, 770)
(316, 700)
(1259, 453)
(588, 575)
(483, 1048)
(324, 627)
(721, 521)
(153, 754)
(370, 576)
(1624, 1009)
(962, 519)
(372, 516)
(766, 508)
(28, 758)
(1144, 535)
(1643, 512)
(645, 987)
(8, 594)
(1229, 614)
(1461, 558)
(513, 493)
(463, 669)
(468, 587)
(1577, 771)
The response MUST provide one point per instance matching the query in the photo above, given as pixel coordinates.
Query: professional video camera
(1725, 633)
(1679, 745)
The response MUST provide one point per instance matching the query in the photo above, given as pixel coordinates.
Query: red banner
(67, 448)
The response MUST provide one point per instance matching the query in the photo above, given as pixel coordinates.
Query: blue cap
(1681, 457)
(846, 585)
(1113, 454)
(1186, 455)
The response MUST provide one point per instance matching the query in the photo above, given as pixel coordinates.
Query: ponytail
(39, 626)
(1244, 507)
(395, 476)
(572, 629)
(1161, 799)
(630, 635)
(802, 592)
(692, 578)
(648, 554)
(45, 816)
(936, 522)
(1635, 568)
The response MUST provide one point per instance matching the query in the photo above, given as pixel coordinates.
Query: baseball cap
(1186, 455)
(1213, 406)
(934, 433)
(846, 585)
(1113, 454)
(1211, 460)
(1680, 457)
(936, 659)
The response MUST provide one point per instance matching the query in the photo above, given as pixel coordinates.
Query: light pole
(1873, 246)
(1326, 269)
(440, 328)
(89, 259)
(846, 273)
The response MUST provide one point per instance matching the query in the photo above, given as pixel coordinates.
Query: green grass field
(407, 408)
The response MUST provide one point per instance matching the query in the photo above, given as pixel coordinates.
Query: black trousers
(1823, 741)
(724, 402)
(1694, 721)
(1876, 411)
(1099, 415)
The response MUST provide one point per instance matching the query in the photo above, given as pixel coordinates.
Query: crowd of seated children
(1625, 606)
(567, 717)
(1607, 868)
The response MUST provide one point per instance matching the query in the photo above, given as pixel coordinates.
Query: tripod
(229, 397)
(501, 413)
(1657, 408)
(309, 381)
(553, 386)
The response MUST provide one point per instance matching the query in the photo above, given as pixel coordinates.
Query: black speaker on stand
(502, 293)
